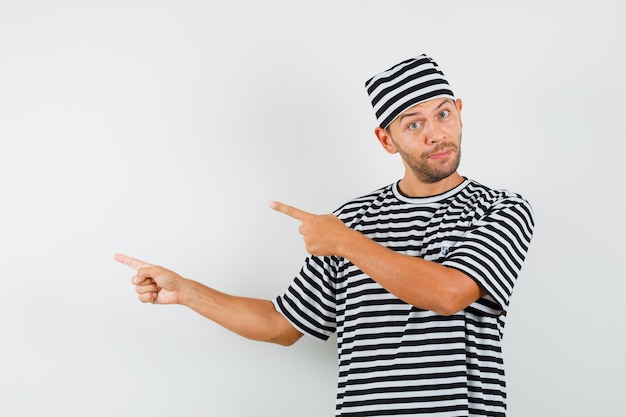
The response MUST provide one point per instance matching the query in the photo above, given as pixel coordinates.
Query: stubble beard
(430, 173)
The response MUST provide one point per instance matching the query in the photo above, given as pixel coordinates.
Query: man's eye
(444, 114)
(414, 125)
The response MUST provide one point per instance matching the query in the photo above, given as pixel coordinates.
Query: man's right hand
(153, 283)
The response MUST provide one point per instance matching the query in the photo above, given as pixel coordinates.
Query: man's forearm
(424, 284)
(252, 318)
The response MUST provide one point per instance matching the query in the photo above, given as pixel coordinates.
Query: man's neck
(412, 187)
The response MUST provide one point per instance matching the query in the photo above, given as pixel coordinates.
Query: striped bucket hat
(404, 85)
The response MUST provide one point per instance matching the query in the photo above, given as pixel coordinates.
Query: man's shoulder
(477, 189)
(487, 199)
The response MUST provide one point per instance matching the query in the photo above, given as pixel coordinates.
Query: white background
(162, 129)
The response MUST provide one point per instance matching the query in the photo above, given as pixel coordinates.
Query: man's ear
(385, 139)
(459, 107)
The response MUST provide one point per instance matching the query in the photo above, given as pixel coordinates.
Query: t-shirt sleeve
(309, 303)
(493, 250)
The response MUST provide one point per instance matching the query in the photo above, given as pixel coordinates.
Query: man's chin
(436, 175)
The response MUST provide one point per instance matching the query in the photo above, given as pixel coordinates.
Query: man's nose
(434, 132)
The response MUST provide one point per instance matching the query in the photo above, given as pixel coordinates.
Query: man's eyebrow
(416, 113)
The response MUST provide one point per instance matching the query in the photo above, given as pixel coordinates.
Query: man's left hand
(324, 234)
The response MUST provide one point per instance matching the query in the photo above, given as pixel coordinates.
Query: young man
(415, 278)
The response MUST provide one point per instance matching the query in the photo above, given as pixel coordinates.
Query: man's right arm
(252, 318)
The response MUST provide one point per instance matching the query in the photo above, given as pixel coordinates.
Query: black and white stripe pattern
(405, 85)
(396, 359)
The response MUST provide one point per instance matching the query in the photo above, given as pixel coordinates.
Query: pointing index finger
(132, 262)
(290, 211)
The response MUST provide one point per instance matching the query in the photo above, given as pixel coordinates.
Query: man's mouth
(441, 154)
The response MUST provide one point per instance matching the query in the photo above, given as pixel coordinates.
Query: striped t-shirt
(397, 359)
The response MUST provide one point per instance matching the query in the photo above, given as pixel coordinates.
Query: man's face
(428, 138)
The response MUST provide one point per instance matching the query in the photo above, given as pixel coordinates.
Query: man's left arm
(424, 284)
